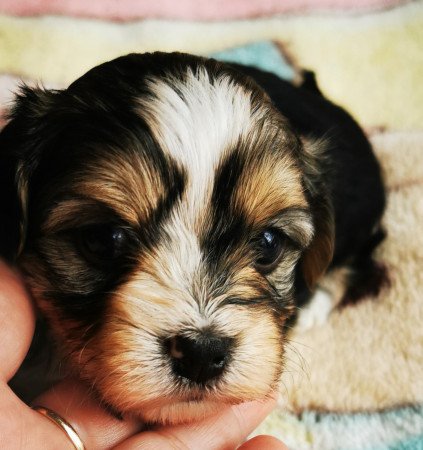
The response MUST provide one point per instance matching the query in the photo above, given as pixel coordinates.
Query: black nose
(199, 359)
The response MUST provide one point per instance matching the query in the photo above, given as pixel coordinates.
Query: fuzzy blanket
(186, 9)
(355, 382)
(371, 63)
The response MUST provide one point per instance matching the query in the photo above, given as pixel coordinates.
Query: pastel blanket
(371, 63)
(186, 9)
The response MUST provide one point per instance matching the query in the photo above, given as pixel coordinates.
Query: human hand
(23, 428)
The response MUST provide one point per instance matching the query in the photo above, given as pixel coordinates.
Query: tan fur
(22, 188)
(319, 254)
(269, 185)
(127, 363)
(127, 185)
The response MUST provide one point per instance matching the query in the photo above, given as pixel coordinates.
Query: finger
(17, 321)
(20, 426)
(25, 429)
(96, 427)
(263, 443)
(226, 430)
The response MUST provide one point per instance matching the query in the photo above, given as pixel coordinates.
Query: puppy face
(163, 207)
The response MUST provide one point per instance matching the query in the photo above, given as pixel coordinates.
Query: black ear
(19, 142)
(318, 255)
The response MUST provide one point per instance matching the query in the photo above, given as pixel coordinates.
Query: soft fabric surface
(371, 355)
(186, 9)
(368, 357)
(372, 64)
(264, 55)
(397, 429)
(355, 382)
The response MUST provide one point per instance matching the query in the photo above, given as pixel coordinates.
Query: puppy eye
(269, 245)
(101, 244)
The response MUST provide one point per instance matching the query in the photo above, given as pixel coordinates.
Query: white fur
(316, 313)
(195, 121)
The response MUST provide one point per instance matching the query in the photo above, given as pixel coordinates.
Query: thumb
(263, 443)
(17, 322)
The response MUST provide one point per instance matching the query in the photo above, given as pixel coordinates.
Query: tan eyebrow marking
(268, 186)
(124, 183)
(71, 213)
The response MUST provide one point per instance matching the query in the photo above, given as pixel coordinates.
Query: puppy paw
(316, 312)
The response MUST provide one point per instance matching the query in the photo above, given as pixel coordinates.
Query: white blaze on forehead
(195, 119)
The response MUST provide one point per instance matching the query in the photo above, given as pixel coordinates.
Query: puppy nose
(199, 359)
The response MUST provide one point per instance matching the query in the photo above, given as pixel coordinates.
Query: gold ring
(63, 425)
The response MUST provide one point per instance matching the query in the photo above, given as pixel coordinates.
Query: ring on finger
(60, 422)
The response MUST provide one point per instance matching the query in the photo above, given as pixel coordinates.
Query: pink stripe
(184, 9)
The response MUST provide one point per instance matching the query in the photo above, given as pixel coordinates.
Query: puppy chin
(186, 411)
(181, 412)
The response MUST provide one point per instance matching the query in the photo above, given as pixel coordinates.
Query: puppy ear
(318, 255)
(19, 141)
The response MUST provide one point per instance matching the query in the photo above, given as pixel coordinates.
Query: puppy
(170, 213)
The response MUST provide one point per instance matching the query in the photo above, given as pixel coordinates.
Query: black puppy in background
(170, 212)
